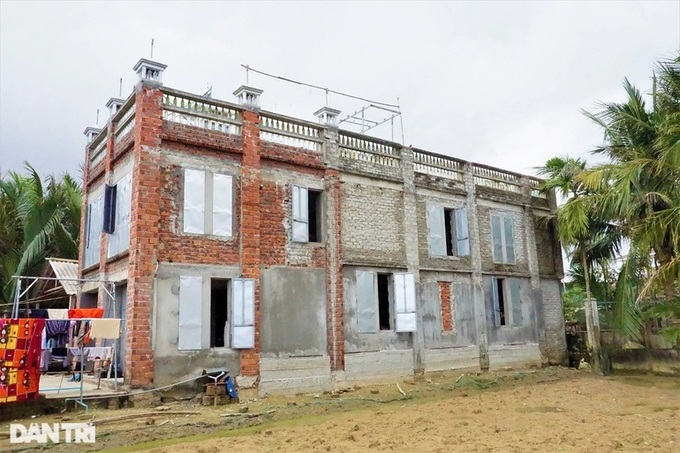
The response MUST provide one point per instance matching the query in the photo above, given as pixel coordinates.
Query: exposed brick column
(335, 297)
(250, 228)
(335, 324)
(144, 238)
(445, 300)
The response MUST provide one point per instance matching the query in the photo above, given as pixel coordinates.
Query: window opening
(501, 300)
(314, 215)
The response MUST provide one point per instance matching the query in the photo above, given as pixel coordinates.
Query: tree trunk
(592, 317)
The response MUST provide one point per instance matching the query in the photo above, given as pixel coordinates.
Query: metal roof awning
(67, 273)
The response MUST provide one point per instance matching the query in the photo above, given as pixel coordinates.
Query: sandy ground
(546, 410)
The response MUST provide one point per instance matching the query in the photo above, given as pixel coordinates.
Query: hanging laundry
(39, 313)
(79, 313)
(57, 313)
(105, 328)
(56, 327)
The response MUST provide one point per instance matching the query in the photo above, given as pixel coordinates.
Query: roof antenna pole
(152, 48)
(97, 117)
(120, 88)
(247, 73)
(326, 97)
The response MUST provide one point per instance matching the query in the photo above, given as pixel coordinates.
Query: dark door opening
(384, 314)
(314, 215)
(219, 296)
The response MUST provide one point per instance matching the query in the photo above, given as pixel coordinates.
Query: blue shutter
(367, 301)
(436, 230)
(509, 240)
(462, 234)
(516, 295)
(497, 239)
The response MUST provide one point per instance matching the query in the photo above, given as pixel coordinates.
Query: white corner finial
(114, 106)
(149, 70)
(248, 96)
(328, 116)
(91, 133)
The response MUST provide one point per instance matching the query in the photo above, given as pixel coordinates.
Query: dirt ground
(548, 410)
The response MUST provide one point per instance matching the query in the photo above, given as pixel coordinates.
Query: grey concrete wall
(484, 211)
(458, 358)
(462, 311)
(170, 364)
(424, 198)
(372, 221)
(553, 339)
(509, 335)
(294, 374)
(378, 366)
(367, 342)
(516, 356)
(292, 312)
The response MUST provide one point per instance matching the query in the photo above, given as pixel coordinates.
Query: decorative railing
(535, 185)
(289, 132)
(365, 149)
(435, 165)
(126, 123)
(98, 149)
(496, 178)
(191, 110)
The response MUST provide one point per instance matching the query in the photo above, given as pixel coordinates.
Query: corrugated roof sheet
(67, 273)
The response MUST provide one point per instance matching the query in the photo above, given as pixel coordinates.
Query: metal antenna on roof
(97, 117)
(120, 88)
(152, 48)
(326, 97)
(247, 72)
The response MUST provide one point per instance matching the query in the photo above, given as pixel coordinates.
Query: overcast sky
(496, 83)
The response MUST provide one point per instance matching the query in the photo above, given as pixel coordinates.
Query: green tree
(38, 219)
(586, 236)
(638, 188)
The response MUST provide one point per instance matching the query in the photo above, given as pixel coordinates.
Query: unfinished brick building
(302, 256)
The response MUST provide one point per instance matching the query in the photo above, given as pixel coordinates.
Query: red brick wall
(183, 248)
(144, 235)
(272, 202)
(445, 298)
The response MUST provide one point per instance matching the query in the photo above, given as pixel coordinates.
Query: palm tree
(587, 238)
(36, 220)
(639, 189)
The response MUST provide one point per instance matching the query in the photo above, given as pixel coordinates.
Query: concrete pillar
(476, 263)
(410, 220)
(335, 324)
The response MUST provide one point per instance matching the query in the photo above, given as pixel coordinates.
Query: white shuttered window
(190, 313)
(208, 203)
(243, 313)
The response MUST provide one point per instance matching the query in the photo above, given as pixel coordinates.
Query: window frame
(504, 220)
(203, 204)
(300, 214)
(448, 217)
(402, 304)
